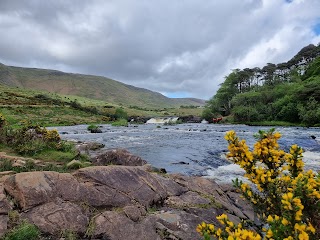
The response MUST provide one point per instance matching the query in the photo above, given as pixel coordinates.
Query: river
(193, 149)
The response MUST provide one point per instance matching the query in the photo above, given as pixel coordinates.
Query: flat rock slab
(56, 217)
(132, 182)
(56, 202)
(116, 226)
(101, 186)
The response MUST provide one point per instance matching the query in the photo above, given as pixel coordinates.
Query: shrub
(285, 198)
(120, 122)
(32, 139)
(94, 129)
(2, 120)
(121, 114)
(23, 231)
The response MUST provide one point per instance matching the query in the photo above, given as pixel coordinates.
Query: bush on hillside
(2, 120)
(31, 139)
(284, 196)
(121, 114)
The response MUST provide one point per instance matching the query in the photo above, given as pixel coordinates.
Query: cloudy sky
(181, 48)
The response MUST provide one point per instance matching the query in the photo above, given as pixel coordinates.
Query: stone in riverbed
(117, 157)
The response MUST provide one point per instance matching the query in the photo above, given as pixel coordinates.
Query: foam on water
(312, 160)
(226, 173)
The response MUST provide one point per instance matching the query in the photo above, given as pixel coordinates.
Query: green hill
(89, 86)
(284, 93)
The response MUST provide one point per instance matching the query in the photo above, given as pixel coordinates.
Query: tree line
(287, 92)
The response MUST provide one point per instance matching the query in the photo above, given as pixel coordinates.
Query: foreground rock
(116, 202)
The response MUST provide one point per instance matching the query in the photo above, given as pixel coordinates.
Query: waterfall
(162, 120)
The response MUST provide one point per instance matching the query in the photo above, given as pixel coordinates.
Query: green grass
(120, 123)
(88, 86)
(54, 156)
(23, 231)
(6, 165)
(273, 123)
(51, 109)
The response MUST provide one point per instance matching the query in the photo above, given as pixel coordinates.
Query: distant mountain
(95, 87)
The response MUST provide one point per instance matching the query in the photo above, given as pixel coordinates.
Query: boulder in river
(117, 157)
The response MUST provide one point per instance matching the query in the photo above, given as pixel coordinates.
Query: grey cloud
(167, 46)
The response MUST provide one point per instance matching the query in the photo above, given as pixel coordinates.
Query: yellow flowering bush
(285, 197)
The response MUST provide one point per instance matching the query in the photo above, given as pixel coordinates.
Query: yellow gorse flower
(289, 195)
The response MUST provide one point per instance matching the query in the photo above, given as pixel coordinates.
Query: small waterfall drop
(163, 120)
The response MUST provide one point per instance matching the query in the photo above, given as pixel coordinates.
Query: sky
(180, 48)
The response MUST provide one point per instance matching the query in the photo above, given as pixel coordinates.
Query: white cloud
(167, 46)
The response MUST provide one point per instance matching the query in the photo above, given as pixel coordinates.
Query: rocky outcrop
(117, 202)
(88, 147)
(117, 157)
(190, 119)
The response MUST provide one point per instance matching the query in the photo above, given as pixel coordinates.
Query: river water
(193, 149)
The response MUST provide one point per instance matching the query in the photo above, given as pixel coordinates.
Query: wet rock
(150, 168)
(96, 130)
(190, 119)
(118, 157)
(182, 163)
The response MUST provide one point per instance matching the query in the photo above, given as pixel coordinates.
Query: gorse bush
(285, 198)
(31, 139)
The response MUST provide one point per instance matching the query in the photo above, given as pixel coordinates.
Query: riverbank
(115, 201)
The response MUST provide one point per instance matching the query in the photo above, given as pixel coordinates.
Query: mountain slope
(95, 87)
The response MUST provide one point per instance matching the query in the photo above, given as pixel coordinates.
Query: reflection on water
(194, 149)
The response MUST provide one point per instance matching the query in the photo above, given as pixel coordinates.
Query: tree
(121, 114)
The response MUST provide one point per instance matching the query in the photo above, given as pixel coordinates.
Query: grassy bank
(50, 109)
